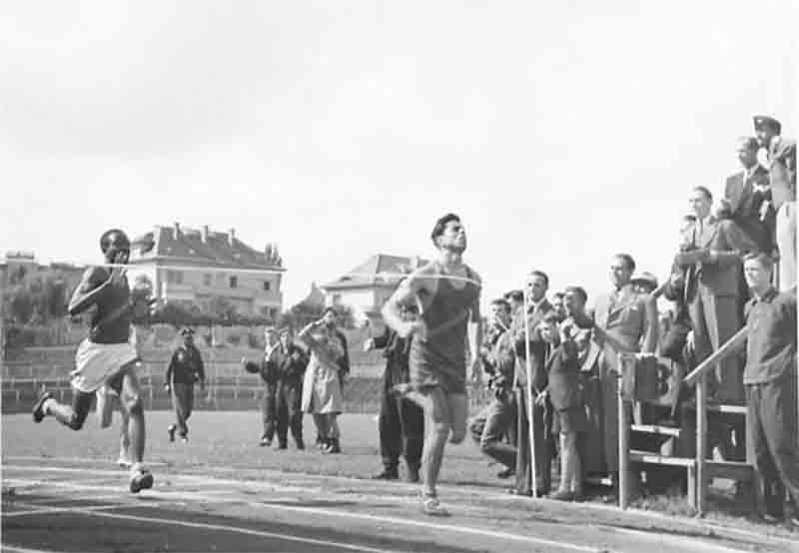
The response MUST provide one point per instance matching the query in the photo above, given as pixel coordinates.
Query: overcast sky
(561, 132)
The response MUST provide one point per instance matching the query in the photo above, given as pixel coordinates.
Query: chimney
(176, 231)
(231, 236)
(204, 234)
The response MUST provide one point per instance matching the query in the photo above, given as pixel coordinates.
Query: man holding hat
(778, 157)
(185, 368)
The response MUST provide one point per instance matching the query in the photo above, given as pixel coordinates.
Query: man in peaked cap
(185, 368)
(778, 157)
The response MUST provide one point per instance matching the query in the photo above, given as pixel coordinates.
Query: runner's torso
(440, 358)
(110, 323)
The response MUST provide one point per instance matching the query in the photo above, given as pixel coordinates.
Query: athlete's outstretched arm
(91, 287)
(407, 292)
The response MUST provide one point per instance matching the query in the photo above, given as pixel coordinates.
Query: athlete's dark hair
(113, 235)
(441, 224)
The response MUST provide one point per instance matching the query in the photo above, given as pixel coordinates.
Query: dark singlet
(111, 321)
(440, 359)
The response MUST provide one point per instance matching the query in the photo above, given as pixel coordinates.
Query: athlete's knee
(134, 405)
(457, 434)
(439, 431)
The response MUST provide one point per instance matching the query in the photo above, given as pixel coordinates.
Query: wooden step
(734, 470)
(721, 408)
(655, 459)
(656, 429)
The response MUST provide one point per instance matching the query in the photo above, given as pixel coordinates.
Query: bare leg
(133, 407)
(124, 437)
(73, 415)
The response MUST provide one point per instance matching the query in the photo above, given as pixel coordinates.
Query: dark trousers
(401, 426)
(543, 447)
(269, 410)
(771, 428)
(182, 403)
(492, 425)
(289, 414)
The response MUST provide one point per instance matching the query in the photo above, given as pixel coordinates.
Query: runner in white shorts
(107, 357)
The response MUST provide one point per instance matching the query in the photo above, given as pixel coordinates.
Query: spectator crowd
(552, 363)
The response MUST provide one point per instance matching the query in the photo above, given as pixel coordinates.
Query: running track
(66, 505)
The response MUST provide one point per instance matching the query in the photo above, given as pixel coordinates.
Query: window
(174, 277)
(267, 286)
(206, 280)
(233, 281)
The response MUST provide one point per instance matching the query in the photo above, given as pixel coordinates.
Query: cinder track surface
(56, 501)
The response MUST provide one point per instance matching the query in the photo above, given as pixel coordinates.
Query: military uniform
(185, 368)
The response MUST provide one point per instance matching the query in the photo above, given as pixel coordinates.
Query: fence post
(624, 436)
(701, 442)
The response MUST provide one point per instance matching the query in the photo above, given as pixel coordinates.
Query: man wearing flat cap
(185, 368)
(778, 157)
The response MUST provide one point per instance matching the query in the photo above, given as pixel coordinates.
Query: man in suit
(291, 362)
(779, 159)
(498, 417)
(711, 250)
(537, 308)
(747, 197)
(625, 321)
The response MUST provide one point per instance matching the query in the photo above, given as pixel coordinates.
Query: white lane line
(84, 460)
(16, 549)
(238, 530)
(755, 536)
(36, 510)
(340, 514)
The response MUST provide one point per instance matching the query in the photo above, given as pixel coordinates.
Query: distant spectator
(538, 306)
(185, 368)
(563, 391)
(321, 390)
(748, 199)
(516, 300)
(401, 421)
(770, 377)
(626, 321)
(498, 417)
(557, 305)
(779, 160)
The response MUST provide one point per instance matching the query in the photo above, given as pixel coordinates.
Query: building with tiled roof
(366, 287)
(196, 265)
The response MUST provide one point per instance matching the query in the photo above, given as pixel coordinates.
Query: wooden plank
(730, 409)
(655, 459)
(734, 470)
(599, 480)
(655, 429)
(727, 348)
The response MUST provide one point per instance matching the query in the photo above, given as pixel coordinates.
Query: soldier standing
(185, 368)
